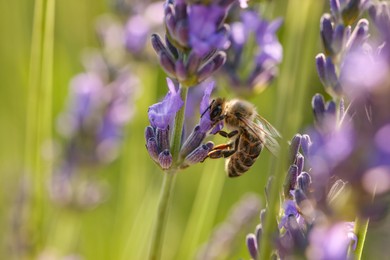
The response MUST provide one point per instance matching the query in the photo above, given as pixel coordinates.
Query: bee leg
(228, 135)
(218, 151)
(215, 154)
(224, 150)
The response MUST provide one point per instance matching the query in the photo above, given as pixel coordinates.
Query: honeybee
(249, 133)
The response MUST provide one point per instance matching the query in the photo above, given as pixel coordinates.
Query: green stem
(361, 227)
(162, 215)
(203, 210)
(39, 107)
(178, 127)
(168, 183)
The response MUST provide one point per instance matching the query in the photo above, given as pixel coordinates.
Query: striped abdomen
(249, 148)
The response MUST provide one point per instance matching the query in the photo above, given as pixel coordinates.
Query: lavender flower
(92, 126)
(245, 76)
(204, 28)
(380, 14)
(344, 147)
(195, 39)
(162, 113)
(119, 38)
(348, 11)
(338, 40)
(303, 213)
(331, 242)
(161, 118)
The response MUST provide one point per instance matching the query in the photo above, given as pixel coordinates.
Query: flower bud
(320, 64)
(167, 64)
(165, 159)
(326, 29)
(199, 154)
(213, 65)
(305, 145)
(192, 142)
(291, 181)
(339, 38)
(252, 245)
(300, 162)
(303, 182)
(351, 11)
(162, 137)
(151, 146)
(294, 147)
(359, 34)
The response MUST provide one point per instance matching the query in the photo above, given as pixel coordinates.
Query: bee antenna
(208, 108)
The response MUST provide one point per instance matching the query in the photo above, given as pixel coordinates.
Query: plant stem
(203, 211)
(162, 215)
(39, 107)
(178, 127)
(361, 227)
(168, 182)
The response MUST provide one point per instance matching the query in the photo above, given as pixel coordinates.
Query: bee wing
(260, 125)
(270, 129)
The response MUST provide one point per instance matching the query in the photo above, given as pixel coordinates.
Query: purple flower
(268, 52)
(361, 71)
(86, 96)
(118, 113)
(192, 150)
(380, 14)
(290, 209)
(348, 11)
(93, 126)
(161, 116)
(162, 113)
(328, 150)
(331, 242)
(251, 243)
(205, 31)
(194, 42)
(136, 33)
(271, 49)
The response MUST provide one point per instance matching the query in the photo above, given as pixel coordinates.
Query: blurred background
(114, 219)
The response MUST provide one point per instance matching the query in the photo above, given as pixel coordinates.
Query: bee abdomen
(238, 165)
(242, 160)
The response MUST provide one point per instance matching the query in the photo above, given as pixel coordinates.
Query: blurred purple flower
(331, 242)
(362, 70)
(162, 113)
(380, 14)
(86, 97)
(268, 52)
(348, 11)
(118, 112)
(93, 127)
(271, 49)
(329, 149)
(136, 33)
(290, 209)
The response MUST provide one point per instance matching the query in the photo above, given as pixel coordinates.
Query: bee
(249, 133)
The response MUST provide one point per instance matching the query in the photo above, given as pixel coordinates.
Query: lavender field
(183, 129)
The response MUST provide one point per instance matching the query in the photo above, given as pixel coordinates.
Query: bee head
(216, 109)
